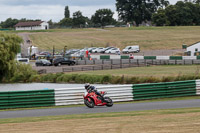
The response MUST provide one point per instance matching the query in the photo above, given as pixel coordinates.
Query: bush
(22, 73)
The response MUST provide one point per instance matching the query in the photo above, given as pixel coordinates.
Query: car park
(63, 61)
(113, 51)
(42, 62)
(131, 49)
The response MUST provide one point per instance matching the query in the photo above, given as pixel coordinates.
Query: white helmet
(87, 85)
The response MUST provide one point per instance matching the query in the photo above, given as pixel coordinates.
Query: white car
(113, 51)
(98, 50)
(90, 49)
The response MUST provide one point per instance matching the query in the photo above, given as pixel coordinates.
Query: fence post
(120, 63)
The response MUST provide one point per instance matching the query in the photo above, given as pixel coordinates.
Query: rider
(89, 87)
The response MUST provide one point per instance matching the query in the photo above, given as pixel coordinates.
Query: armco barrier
(22, 99)
(145, 57)
(164, 90)
(70, 96)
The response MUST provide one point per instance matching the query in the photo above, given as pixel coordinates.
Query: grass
(98, 115)
(182, 120)
(151, 71)
(149, 38)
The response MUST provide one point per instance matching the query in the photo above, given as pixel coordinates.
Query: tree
(184, 13)
(103, 17)
(9, 47)
(172, 15)
(9, 23)
(137, 10)
(160, 18)
(67, 12)
(66, 22)
(78, 19)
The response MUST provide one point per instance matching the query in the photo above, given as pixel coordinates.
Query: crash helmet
(87, 85)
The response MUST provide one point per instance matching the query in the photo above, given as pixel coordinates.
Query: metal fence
(92, 65)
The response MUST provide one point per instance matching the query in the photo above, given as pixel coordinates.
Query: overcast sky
(52, 9)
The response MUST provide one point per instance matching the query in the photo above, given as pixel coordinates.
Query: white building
(193, 48)
(34, 25)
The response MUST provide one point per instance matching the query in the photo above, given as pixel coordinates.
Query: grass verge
(100, 115)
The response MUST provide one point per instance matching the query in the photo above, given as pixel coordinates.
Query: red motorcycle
(92, 99)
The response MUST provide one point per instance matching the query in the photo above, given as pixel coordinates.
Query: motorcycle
(92, 99)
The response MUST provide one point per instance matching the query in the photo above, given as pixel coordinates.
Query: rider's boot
(102, 98)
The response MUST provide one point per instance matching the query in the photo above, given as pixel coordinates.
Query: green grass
(150, 71)
(149, 38)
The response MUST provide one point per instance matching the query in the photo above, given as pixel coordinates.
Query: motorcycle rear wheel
(109, 102)
(89, 104)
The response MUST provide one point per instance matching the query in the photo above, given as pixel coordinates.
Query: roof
(193, 44)
(27, 24)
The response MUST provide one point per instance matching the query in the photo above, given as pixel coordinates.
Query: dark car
(63, 61)
(43, 62)
(106, 49)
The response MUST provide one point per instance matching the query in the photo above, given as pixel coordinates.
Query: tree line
(135, 12)
(101, 18)
(180, 14)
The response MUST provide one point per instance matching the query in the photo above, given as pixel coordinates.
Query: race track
(115, 108)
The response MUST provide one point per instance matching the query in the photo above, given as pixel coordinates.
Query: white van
(131, 49)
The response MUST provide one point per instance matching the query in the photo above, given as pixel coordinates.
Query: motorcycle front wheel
(109, 102)
(89, 103)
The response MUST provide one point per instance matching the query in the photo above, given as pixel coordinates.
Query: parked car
(63, 61)
(45, 53)
(98, 50)
(43, 62)
(23, 60)
(131, 49)
(113, 51)
(90, 49)
(78, 54)
(71, 51)
(103, 51)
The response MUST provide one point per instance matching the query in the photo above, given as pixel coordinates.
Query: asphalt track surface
(116, 108)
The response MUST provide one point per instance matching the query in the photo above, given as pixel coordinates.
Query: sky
(53, 9)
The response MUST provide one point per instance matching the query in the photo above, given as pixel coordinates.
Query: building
(193, 49)
(33, 25)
